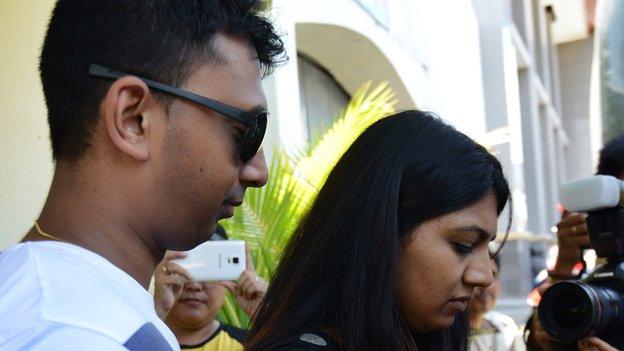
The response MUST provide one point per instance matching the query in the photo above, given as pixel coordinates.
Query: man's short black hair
(163, 40)
(611, 161)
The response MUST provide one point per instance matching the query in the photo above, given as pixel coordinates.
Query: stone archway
(351, 58)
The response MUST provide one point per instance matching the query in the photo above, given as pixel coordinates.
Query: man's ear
(125, 110)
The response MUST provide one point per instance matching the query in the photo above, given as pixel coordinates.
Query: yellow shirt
(225, 338)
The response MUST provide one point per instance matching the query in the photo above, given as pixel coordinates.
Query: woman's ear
(125, 110)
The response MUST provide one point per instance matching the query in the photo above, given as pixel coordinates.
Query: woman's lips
(458, 305)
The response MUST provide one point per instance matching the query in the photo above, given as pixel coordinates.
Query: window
(322, 98)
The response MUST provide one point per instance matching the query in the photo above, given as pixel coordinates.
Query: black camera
(592, 306)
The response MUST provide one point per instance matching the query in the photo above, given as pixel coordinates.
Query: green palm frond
(270, 214)
(363, 109)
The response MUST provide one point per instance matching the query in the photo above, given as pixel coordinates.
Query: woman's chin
(445, 323)
(441, 323)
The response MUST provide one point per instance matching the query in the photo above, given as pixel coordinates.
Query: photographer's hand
(594, 344)
(539, 339)
(169, 280)
(249, 289)
(572, 236)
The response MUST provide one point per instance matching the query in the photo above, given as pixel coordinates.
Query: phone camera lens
(235, 260)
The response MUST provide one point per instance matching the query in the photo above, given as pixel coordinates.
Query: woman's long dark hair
(338, 271)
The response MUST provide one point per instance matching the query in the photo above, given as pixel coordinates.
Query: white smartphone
(215, 260)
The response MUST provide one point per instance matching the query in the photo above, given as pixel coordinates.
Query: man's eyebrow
(484, 235)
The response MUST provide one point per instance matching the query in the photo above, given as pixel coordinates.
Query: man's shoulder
(15, 257)
(20, 288)
(71, 288)
(53, 336)
(57, 277)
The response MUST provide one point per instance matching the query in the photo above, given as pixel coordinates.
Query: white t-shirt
(58, 296)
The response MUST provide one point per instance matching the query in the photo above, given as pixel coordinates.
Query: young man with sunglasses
(156, 114)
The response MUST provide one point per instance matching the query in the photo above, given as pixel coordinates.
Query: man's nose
(255, 173)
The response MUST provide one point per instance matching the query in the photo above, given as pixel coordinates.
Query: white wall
(444, 36)
(321, 21)
(432, 45)
(25, 156)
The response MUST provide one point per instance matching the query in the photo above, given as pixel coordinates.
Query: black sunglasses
(256, 124)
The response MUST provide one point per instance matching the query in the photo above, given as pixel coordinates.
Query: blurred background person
(190, 308)
(491, 330)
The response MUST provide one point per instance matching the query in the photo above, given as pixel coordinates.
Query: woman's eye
(462, 249)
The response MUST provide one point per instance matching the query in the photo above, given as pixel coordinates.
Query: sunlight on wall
(25, 157)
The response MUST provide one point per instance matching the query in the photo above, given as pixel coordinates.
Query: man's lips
(234, 202)
(228, 207)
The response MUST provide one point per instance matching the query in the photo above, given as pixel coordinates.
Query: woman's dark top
(314, 340)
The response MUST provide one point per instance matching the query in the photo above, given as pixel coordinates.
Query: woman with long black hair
(393, 246)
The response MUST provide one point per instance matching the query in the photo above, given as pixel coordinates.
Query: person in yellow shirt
(189, 308)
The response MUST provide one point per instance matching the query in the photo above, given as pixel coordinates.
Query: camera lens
(235, 260)
(571, 310)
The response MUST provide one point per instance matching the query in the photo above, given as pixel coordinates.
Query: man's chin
(191, 242)
(206, 233)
